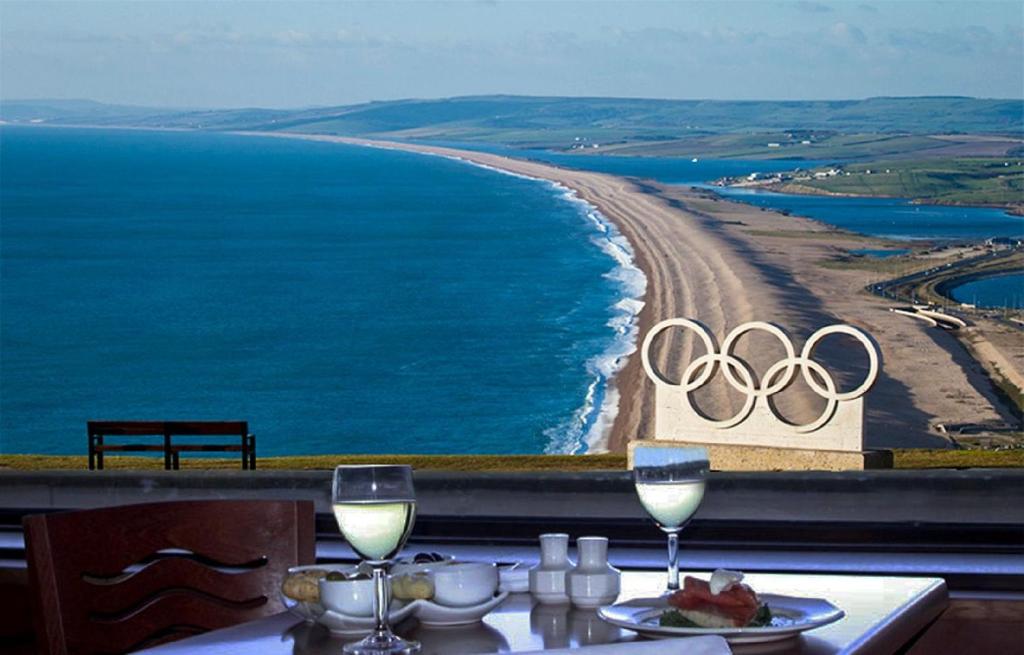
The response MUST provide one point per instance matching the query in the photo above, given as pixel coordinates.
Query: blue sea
(994, 291)
(341, 299)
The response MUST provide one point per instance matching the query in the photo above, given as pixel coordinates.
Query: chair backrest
(118, 579)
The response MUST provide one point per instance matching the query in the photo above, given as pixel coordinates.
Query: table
(882, 615)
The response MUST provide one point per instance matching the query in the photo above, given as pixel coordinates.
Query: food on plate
(414, 586)
(721, 602)
(303, 586)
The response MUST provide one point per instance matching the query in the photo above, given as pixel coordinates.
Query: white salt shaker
(594, 582)
(547, 579)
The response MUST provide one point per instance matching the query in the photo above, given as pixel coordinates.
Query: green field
(821, 146)
(972, 181)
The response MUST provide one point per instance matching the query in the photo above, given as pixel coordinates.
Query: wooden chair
(119, 579)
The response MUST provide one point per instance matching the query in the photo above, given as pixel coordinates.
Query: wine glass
(670, 483)
(375, 507)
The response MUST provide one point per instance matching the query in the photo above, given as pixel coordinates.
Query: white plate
(790, 616)
(431, 614)
(344, 624)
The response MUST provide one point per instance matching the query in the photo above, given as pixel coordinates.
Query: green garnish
(335, 576)
(762, 618)
(673, 619)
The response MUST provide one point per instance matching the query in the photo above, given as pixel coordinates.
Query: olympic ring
(766, 389)
(777, 378)
(701, 331)
(869, 346)
(709, 362)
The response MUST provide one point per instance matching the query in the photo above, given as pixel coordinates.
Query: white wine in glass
(670, 484)
(375, 507)
(376, 531)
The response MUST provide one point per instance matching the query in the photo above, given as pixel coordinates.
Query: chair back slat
(110, 596)
(107, 580)
(171, 612)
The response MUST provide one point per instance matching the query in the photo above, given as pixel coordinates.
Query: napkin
(514, 579)
(709, 645)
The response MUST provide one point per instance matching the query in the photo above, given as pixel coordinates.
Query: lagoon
(992, 292)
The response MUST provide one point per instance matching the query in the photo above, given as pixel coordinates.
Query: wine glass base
(382, 645)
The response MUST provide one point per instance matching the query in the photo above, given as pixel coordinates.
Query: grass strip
(902, 459)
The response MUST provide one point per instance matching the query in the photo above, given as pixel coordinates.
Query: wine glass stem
(381, 601)
(673, 561)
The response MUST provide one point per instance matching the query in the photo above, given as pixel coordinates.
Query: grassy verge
(903, 459)
(326, 462)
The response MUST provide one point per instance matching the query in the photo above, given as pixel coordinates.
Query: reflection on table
(882, 615)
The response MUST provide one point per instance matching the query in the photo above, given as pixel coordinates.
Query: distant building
(773, 145)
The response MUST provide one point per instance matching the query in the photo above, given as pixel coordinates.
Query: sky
(292, 53)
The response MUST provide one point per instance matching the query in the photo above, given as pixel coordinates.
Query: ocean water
(340, 299)
(995, 291)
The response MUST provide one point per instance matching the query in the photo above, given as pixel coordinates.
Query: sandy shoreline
(726, 263)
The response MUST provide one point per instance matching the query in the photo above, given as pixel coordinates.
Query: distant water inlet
(993, 291)
(340, 299)
(891, 218)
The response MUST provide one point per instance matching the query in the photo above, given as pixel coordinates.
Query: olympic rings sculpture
(778, 377)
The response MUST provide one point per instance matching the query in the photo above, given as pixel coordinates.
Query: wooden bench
(169, 429)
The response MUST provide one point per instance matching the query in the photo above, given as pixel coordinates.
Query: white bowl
(310, 610)
(348, 597)
(464, 584)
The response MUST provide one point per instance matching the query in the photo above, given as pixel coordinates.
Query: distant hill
(663, 126)
(656, 119)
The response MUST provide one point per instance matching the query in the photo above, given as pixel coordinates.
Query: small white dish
(343, 624)
(791, 615)
(347, 597)
(432, 614)
(464, 584)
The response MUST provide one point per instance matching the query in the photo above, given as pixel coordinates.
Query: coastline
(591, 424)
(670, 253)
(727, 263)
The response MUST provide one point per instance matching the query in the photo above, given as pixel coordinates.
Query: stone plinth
(766, 458)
